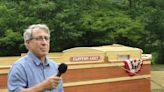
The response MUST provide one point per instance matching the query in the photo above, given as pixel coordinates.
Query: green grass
(157, 90)
(157, 67)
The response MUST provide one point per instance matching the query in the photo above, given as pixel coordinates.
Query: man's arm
(50, 83)
(17, 81)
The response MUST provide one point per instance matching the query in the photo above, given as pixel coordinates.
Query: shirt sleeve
(60, 86)
(16, 78)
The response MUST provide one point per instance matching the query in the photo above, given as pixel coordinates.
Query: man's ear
(26, 43)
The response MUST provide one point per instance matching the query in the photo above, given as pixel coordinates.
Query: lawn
(157, 75)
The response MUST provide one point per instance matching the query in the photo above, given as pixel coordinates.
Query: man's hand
(51, 82)
(48, 84)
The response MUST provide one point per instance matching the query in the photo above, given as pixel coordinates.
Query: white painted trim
(100, 65)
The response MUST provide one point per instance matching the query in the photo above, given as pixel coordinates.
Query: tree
(75, 23)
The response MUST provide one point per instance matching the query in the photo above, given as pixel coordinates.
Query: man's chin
(44, 53)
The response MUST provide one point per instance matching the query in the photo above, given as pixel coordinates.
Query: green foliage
(10, 43)
(76, 23)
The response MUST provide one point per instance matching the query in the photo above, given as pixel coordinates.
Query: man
(35, 72)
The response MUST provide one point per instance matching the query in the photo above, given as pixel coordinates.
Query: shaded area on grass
(157, 90)
(157, 67)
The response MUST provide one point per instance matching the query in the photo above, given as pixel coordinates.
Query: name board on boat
(85, 58)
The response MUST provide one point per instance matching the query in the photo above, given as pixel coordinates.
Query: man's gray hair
(28, 32)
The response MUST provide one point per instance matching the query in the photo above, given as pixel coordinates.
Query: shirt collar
(36, 60)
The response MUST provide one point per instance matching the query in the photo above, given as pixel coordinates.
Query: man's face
(39, 44)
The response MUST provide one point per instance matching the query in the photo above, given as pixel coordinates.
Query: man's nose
(44, 41)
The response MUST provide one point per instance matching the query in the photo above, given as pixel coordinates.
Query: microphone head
(62, 68)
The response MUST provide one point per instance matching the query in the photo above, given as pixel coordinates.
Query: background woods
(73, 23)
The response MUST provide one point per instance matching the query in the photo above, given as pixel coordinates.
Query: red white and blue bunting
(133, 66)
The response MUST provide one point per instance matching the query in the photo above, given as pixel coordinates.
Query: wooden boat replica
(111, 68)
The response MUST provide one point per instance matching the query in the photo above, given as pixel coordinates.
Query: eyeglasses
(41, 38)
